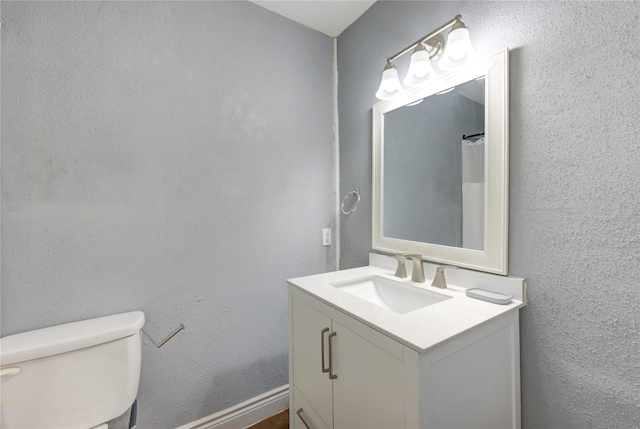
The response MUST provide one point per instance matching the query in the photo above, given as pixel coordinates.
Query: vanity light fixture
(420, 69)
(459, 51)
(456, 52)
(390, 84)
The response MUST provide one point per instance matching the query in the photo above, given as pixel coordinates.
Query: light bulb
(459, 44)
(420, 69)
(390, 84)
(458, 51)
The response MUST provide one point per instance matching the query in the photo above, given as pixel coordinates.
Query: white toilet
(77, 375)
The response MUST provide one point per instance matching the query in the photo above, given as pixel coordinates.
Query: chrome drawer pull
(332, 376)
(299, 413)
(322, 348)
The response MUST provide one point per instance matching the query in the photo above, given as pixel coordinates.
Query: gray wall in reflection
(423, 168)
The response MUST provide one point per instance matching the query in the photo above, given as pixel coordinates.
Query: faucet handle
(438, 280)
(401, 271)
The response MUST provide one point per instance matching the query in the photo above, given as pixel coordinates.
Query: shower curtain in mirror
(473, 194)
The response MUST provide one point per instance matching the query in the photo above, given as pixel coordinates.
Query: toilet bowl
(77, 375)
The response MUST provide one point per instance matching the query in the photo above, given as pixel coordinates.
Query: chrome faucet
(417, 274)
(439, 280)
(401, 271)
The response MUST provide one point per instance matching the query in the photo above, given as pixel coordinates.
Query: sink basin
(395, 296)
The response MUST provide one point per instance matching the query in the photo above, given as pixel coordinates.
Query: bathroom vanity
(370, 350)
(450, 362)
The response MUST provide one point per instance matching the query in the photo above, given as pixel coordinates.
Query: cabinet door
(369, 390)
(308, 344)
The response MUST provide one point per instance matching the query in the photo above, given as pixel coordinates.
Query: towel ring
(355, 192)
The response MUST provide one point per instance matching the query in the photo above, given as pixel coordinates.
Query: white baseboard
(247, 413)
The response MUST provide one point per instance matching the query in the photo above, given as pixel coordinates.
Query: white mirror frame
(493, 258)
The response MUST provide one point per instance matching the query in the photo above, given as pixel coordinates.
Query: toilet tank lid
(70, 336)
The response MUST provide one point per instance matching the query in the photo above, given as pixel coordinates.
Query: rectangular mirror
(440, 169)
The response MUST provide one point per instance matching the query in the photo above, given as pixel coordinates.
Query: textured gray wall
(574, 194)
(172, 157)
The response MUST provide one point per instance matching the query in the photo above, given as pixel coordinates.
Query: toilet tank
(76, 375)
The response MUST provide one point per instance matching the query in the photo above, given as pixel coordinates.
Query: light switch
(326, 237)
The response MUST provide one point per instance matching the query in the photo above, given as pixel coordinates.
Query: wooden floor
(279, 421)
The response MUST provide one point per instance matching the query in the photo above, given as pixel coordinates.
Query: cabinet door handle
(332, 376)
(299, 413)
(325, 330)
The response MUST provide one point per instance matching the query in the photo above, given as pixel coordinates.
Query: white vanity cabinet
(371, 380)
(362, 382)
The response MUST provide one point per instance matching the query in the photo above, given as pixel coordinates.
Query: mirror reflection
(434, 168)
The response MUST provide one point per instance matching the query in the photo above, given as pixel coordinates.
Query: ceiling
(330, 17)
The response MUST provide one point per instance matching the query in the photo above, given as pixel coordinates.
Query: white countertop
(421, 329)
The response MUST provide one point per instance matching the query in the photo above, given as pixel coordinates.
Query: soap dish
(489, 295)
